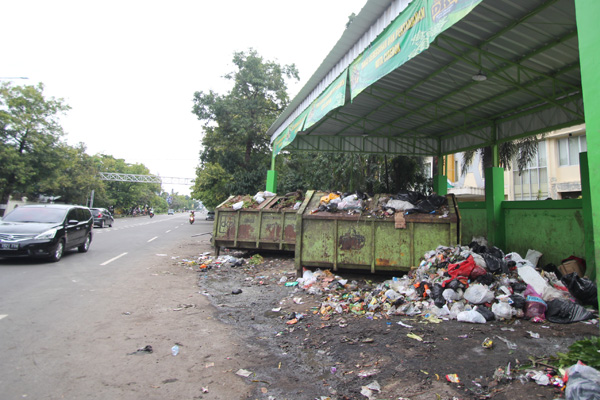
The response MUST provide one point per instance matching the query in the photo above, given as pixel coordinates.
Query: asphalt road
(48, 308)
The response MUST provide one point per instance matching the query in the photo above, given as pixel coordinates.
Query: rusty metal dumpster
(261, 228)
(363, 242)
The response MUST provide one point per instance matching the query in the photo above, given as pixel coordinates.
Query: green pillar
(440, 181)
(589, 58)
(588, 229)
(494, 196)
(272, 181)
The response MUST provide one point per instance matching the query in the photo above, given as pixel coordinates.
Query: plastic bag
(410, 196)
(450, 295)
(583, 384)
(471, 316)
(533, 256)
(478, 294)
(566, 312)
(486, 312)
(399, 205)
(436, 295)
(494, 264)
(502, 310)
(535, 307)
(517, 301)
(583, 289)
(531, 277)
(238, 205)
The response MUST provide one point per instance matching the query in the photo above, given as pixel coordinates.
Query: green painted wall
(556, 233)
(554, 228)
(473, 220)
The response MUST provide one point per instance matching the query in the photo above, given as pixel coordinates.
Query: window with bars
(532, 183)
(569, 149)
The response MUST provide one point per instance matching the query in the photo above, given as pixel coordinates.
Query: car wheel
(101, 223)
(58, 251)
(86, 245)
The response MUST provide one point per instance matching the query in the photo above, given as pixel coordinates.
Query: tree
(211, 185)
(30, 135)
(522, 151)
(235, 124)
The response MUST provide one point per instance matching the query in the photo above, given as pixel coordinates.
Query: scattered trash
(534, 335)
(453, 378)
(487, 343)
(368, 390)
(144, 350)
(509, 344)
(175, 350)
(583, 383)
(243, 372)
(236, 291)
(414, 336)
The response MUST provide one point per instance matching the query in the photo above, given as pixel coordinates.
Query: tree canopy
(236, 151)
(36, 161)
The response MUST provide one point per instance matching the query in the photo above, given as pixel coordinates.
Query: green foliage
(211, 185)
(586, 351)
(30, 139)
(236, 151)
(256, 259)
(350, 173)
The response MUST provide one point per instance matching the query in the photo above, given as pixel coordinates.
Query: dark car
(102, 217)
(210, 216)
(45, 231)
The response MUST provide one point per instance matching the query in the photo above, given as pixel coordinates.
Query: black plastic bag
(486, 312)
(410, 196)
(565, 312)
(436, 295)
(518, 301)
(496, 252)
(518, 286)
(486, 279)
(494, 264)
(437, 201)
(583, 289)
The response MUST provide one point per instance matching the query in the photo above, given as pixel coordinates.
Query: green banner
(289, 134)
(410, 33)
(334, 96)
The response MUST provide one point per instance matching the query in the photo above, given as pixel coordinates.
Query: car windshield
(36, 214)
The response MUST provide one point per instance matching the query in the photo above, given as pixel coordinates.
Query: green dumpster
(363, 242)
(266, 227)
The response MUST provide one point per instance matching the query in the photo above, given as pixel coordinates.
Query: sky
(129, 68)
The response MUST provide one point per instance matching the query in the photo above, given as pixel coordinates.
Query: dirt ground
(320, 358)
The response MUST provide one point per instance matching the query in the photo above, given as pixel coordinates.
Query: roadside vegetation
(36, 161)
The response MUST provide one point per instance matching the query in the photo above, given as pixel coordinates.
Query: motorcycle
(151, 214)
(192, 219)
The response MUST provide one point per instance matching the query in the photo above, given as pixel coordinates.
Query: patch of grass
(256, 259)
(586, 350)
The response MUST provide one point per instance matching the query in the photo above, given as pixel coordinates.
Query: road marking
(168, 231)
(155, 237)
(113, 259)
(3, 315)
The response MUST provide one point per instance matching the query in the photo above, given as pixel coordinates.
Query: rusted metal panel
(340, 240)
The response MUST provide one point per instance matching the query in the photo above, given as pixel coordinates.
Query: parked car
(102, 217)
(210, 216)
(45, 231)
(171, 211)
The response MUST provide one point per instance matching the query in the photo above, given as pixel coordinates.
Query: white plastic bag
(531, 277)
(533, 256)
(471, 316)
(238, 205)
(399, 205)
(478, 294)
(502, 310)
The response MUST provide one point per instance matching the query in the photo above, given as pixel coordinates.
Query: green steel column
(588, 229)
(494, 196)
(440, 182)
(272, 181)
(589, 58)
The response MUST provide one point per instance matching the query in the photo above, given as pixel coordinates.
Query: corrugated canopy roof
(430, 104)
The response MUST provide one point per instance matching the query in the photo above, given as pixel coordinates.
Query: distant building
(554, 173)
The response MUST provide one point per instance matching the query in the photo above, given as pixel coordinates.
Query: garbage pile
(382, 206)
(290, 200)
(474, 284)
